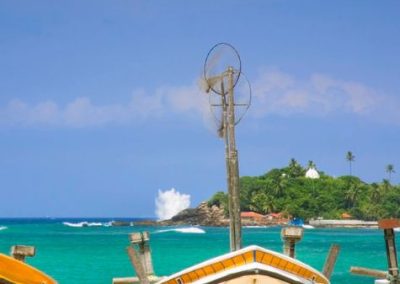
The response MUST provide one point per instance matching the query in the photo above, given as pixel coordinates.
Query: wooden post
(144, 254)
(140, 257)
(291, 235)
(135, 280)
(391, 252)
(368, 272)
(388, 226)
(234, 164)
(19, 252)
(224, 132)
(138, 266)
(331, 260)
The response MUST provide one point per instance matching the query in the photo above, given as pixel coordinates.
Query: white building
(312, 173)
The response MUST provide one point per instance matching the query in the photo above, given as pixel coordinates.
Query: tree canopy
(287, 190)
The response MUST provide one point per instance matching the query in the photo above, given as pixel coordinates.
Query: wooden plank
(368, 272)
(19, 252)
(137, 265)
(133, 280)
(391, 252)
(389, 223)
(330, 261)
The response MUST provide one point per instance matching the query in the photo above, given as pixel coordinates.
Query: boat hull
(249, 265)
(13, 271)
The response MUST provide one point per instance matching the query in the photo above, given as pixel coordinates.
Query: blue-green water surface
(96, 254)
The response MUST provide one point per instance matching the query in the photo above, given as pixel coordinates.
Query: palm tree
(262, 202)
(295, 169)
(376, 192)
(352, 194)
(350, 158)
(390, 170)
(386, 185)
(311, 164)
(279, 185)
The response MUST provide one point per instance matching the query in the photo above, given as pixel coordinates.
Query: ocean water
(72, 253)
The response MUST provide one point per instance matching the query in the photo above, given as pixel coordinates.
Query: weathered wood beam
(142, 241)
(290, 236)
(21, 252)
(134, 280)
(331, 260)
(138, 266)
(368, 272)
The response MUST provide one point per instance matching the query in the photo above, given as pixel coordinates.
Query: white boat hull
(250, 265)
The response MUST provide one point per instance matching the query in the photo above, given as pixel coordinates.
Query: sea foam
(170, 202)
(3, 228)
(84, 224)
(186, 230)
(305, 226)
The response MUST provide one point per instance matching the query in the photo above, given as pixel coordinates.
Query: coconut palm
(279, 185)
(390, 170)
(350, 158)
(352, 194)
(385, 185)
(376, 192)
(311, 164)
(262, 202)
(295, 169)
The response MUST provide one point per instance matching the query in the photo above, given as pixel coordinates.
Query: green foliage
(287, 190)
(219, 199)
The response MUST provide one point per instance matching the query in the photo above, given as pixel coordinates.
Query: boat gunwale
(254, 268)
(254, 249)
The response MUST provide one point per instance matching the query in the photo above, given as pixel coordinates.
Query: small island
(295, 191)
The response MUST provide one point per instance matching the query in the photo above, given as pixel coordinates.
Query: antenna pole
(224, 132)
(223, 83)
(233, 169)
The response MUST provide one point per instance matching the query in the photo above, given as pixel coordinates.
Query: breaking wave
(254, 227)
(188, 230)
(171, 202)
(305, 226)
(3, 228)
(86, 224)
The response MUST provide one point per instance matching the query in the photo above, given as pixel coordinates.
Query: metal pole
(233, 166)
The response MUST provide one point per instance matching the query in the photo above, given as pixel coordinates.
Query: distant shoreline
(315, 223)
(343, 224)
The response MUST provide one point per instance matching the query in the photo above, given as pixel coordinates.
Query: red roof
(276, 215)
(251, 215)
(346, 215)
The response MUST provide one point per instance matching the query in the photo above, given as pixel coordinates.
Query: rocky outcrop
(203, 215)
(121, 224)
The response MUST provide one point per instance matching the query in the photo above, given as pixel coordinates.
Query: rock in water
(203, 215)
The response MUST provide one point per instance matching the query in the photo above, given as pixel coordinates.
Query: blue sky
(100, 106)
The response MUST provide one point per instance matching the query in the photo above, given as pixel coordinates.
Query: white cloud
(83, 112)
(278, 93)
(274, 93)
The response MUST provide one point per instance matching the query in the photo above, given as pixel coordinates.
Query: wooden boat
(13, 271)
(252, 265)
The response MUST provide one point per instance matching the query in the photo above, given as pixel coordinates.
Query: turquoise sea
(96, 254)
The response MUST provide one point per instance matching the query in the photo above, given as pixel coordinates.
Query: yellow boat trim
(245, 256)
(17, 272)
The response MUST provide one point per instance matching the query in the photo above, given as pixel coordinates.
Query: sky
(100, 105)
